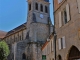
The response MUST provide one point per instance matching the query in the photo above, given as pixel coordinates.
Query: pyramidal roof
(46, 0)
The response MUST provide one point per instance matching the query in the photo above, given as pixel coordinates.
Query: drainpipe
(55, 36)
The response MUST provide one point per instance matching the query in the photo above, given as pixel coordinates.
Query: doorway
(74, 53)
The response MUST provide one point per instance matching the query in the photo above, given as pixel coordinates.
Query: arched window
(59, 57)
(36, 6)
(46, 9)
(23, 56)
(41, 7)
(29, 7)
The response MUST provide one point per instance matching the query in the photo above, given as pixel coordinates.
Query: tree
(1, 54)
(4, 50)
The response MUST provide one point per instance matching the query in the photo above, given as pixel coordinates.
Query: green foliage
(5, 48)
(2, 57)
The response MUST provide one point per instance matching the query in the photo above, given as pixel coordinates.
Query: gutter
(55, 36)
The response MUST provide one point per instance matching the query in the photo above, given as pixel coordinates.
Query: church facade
(26, 40)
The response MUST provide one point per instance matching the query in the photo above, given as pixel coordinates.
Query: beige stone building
(48, 48)
(67, 27)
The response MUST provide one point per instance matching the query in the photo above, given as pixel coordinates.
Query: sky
(14, 13)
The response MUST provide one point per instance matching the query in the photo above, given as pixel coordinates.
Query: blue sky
(14, 13)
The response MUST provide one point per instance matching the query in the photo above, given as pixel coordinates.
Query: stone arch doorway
(74, 53)
(23, 56)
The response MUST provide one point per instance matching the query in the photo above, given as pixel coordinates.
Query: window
(78, 2)
(20, 38)
(52, 45)
(64, 16)
(29, 7)
(79, 34)
(41, 7)
(59, 1)
(15, 38)
(36, 6)
(46, 9)
(62, 43)
(60, 20)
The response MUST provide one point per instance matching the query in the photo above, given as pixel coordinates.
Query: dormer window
(29, 7)
(46, 9)
(36, 6)
(41, 7)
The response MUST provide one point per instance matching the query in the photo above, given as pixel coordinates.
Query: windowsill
(40, 12)
(65, 24)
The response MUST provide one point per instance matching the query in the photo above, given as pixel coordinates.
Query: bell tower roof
(46, 0)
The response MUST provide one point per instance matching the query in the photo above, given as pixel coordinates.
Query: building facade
(13, 37)
(67, 27)
(26, 40)
(48, 48)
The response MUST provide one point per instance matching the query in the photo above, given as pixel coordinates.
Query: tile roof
(16, 29)
(2, 34)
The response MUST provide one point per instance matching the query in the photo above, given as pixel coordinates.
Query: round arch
(74, 53)
(59, 57)
(24, 56)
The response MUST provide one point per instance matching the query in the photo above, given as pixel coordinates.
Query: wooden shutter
(60, 21)
(78, 2)
(52, 45)
(79, 34)
(59, 43)
(63, 40)
(68, 12)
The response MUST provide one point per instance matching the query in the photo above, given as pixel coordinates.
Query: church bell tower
(38, 11)
(38, 23)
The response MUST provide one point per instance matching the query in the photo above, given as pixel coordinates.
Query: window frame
(46, 9)
(36, 6)
(41, 7)
(29, 6)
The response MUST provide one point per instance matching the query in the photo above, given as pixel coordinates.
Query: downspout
(55, 36)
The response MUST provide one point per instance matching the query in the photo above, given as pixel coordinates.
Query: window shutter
(78, 1)
(59, 1)
(60, 22)
(52, 45)
(59, 42)
(64, 44)
(68, 12)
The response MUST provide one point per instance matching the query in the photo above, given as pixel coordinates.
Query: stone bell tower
(38, 27)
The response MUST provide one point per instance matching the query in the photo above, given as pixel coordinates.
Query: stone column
(15, 46)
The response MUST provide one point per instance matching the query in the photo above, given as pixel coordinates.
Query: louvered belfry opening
(74, 53)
